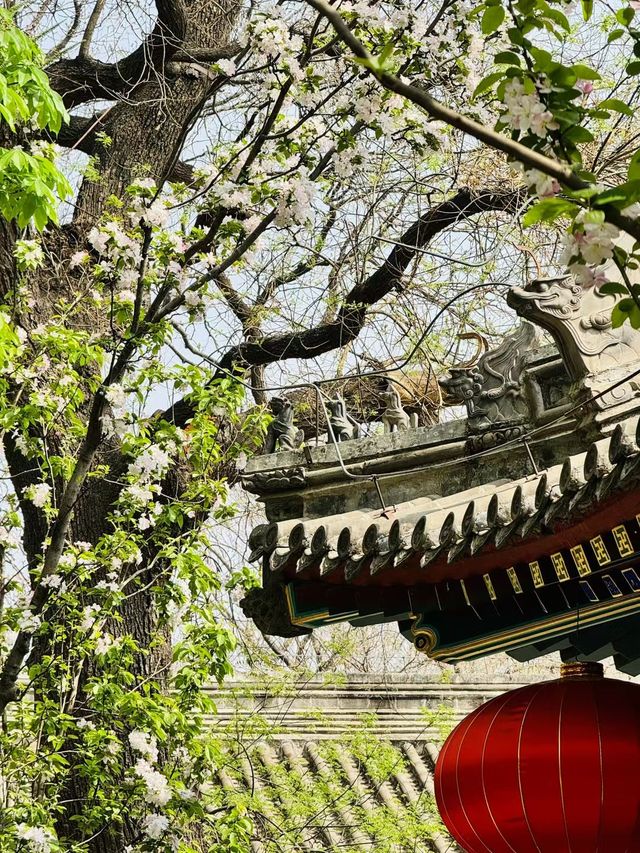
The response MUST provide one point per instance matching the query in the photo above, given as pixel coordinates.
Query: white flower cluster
(37, 838)
(525, 111)
(54, 581)
(150, 464)
(8, 537)
(158, 791)
(592, 240)
(226, 67)
(294, 204)
(144, 743)
(28, 254)
(116, 395)
(271, 37)
(39, 494)
(155, 825)
(28, 621)
(541, 184)
(78, 259)
(90, 615)
(105, 643)
(110, 241)
(155, 213)
(588, 246)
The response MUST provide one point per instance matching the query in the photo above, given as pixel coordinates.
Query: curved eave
(468, 533)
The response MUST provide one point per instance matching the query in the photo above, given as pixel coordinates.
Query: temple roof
(444, 532)
(344, 766)
(516, 528)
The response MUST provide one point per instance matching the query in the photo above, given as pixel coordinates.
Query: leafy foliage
(30, 183)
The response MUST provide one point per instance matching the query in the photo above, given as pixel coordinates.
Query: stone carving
(492, 391)
(275, 480)
(282, 433)
(343, 426)
(493, 437)
(268, 609)
(579, 319)
(394, 417)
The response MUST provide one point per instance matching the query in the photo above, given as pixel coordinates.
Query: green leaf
(558, 17)
(506, 57)
(488, 83)
(633, 68)
(578, 134)
(614, 35)
(616, 105)
(634, 317)
(622, 195)
(548, 210)
(587, 8)
(613, 288)
(618, 316)
(634, 167)
(585, 72)
(515, 36)
(625, 15)
(491, 19)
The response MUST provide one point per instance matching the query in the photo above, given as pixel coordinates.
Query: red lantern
(548, 768)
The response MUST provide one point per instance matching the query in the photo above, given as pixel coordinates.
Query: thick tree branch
(387, 277)
(352, 316)
(84, 79)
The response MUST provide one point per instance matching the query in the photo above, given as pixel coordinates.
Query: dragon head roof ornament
(579, 320)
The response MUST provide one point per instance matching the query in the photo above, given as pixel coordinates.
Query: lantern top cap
(581, 669)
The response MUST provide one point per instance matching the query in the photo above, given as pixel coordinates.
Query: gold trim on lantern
(581, 669)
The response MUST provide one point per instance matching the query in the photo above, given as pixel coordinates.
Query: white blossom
(155, 825)
(588, 276)
(143, 184)
(227, 67)
(525, 111)
(78, 259)
(158, 790)
(591, 241)
(632, 210)
(52, 581)
(28, 253)
(152, 462)
(104, 644)
(145, 743)
(38, 838)
(116, 395)
(294, 204)
(29, 622)
(543, 185)
(128, 278)
(89, 616)
(153, 214)
(98, 239)
(8, 537)
(20, 442)
(192, 298)
(39, 494)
